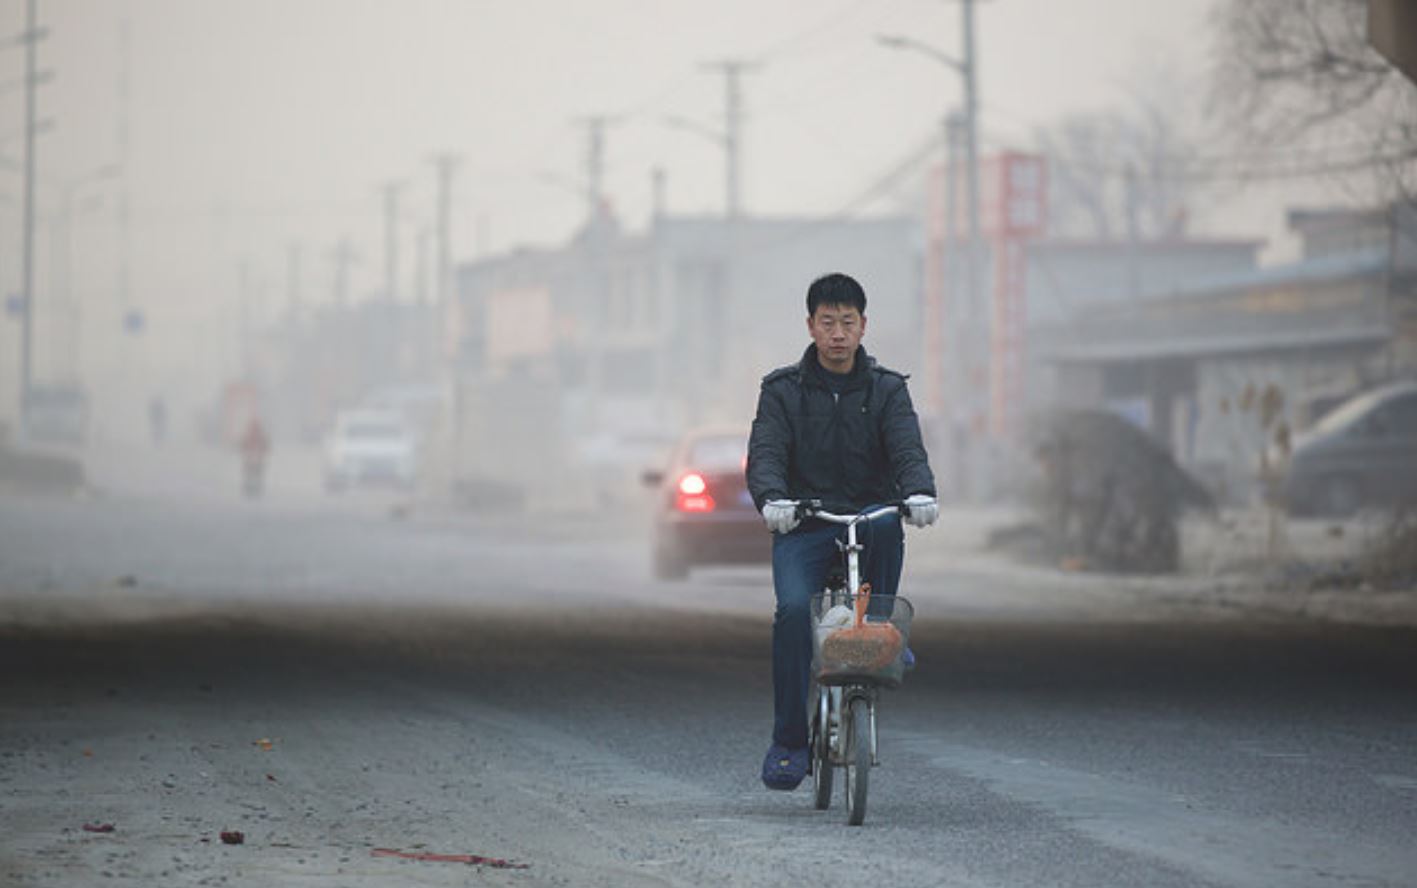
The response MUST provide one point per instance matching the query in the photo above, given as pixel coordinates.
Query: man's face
(837, 331)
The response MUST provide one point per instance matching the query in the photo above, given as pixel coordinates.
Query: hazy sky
(293, 111)
(258, 124)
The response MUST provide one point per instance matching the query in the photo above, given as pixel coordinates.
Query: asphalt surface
(332, 679)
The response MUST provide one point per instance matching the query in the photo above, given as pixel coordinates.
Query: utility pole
(30, 38)
(978, 336)
(961, 398)
(957, 306)
(979, 333)
(445, 165)
(595, 125)
(598, 258)
(343, 256)
(732, 70)
(391, 243)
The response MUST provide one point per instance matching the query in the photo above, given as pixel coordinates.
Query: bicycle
(851, 662)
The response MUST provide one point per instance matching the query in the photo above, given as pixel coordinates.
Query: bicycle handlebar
(813, 509)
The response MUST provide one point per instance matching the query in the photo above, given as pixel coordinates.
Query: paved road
(452, 686)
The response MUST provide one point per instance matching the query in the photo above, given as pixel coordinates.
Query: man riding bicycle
(839, 428)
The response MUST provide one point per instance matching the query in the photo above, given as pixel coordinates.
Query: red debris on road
(233, 836)
(476, 859)
(99, 827)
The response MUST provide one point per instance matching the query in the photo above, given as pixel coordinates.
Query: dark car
(703, 513)
(1363, 453)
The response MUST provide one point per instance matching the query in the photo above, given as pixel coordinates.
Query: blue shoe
(784, 768)
(907, 659)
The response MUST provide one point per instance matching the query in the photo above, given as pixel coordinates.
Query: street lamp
(897, 41)
(965, 68)
(674, 121)
(978, 335)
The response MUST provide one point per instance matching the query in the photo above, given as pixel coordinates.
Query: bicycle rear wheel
(858, 757)
(821, 751)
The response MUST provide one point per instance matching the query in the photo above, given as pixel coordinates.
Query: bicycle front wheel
(858, 757)
(822, 751)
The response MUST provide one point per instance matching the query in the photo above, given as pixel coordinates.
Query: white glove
(780, 515)
(921, 510)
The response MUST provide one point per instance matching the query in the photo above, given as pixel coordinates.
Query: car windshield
(1348, 413)
(718, 452)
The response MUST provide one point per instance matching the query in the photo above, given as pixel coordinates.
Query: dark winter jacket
(853, 450)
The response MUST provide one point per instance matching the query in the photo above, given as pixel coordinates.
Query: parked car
(373, 448)
(703, 513)
(1363, 453)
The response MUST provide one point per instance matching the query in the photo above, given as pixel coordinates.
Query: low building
(641, 335)
(1221, 367)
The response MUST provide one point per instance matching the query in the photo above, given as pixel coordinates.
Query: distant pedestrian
(255, 447)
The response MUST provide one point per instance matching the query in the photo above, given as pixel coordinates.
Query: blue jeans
(800, 563)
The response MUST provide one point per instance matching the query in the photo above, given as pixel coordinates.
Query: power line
(879, 187)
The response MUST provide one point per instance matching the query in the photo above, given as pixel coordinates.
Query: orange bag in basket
(865, 647)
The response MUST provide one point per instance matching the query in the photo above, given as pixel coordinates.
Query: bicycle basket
(859, 648)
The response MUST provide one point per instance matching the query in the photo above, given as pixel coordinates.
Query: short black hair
(836, 289)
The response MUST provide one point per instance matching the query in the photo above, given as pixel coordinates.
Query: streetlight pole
(978, 335)
(969, 71)
(445, 164)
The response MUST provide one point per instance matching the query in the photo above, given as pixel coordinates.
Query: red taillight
(700, 503)
(693, 494)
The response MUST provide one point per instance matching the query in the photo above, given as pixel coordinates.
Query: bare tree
(1111, 170)
(1299, 76)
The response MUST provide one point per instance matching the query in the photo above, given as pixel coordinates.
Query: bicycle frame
(853, 548)
(839, 698)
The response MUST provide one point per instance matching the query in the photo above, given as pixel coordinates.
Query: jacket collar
(811, 368)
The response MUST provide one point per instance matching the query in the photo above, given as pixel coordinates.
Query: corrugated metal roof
(1307, 271)
(1207, 345)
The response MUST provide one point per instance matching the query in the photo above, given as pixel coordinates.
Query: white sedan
(370, 448)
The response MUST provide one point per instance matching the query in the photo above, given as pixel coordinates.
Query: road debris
(233, 837)
(264, 743)
(474, 859)
(1110, 495)
(99, 827)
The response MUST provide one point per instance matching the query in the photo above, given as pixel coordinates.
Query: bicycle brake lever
(805, 508)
